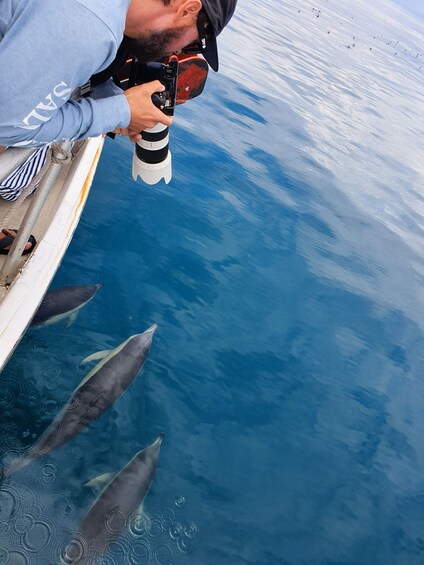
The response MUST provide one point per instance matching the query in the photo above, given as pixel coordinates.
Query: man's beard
(153, 46)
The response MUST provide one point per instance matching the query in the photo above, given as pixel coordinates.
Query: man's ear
(189, 8)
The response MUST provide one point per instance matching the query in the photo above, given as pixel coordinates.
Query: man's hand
(144, 114)
(2, 148)
(133, 135)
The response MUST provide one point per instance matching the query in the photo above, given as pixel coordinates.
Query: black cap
(219, 13)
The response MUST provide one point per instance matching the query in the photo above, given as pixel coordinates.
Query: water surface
(284, 268)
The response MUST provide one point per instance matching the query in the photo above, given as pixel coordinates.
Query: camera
(183, 77)
(166, 73)
(152, 157)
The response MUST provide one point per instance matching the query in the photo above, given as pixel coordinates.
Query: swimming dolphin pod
(113, 509)
(97, 392)
(63, 304)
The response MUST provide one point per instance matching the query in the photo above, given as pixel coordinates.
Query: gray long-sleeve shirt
(47, 49)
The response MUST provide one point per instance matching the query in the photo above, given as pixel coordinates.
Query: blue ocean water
(284, 268)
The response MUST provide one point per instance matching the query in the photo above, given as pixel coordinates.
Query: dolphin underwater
(96, 393)
(63, 303)
(112, 510)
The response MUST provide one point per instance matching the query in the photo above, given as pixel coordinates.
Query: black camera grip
(160, 100)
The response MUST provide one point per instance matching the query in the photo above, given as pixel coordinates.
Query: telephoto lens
(152, 157)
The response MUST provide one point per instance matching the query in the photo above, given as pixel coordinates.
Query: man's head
(161, 27)
(218, 14)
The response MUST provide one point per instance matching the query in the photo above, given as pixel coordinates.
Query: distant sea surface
(284, 266)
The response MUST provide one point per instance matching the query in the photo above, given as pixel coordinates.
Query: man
(48, 48)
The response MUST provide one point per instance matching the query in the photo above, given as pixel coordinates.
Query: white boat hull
(22, 298)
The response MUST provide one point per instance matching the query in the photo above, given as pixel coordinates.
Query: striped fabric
(12, 186)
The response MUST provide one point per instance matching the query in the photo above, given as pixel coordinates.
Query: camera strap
(122, 55)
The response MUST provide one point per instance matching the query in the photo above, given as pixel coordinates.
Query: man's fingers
(156, 117)
(155, 86)
(133, 135)
(164, 119)
(149, 124)
(144, 114)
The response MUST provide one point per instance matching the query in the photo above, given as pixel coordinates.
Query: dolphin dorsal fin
(101, 481)
(104, 357)
(96, 356)
(71, 319)
(139, 513)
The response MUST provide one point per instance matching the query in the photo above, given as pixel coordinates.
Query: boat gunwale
(23, 296)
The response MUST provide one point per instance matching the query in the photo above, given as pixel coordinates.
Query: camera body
(166, 73)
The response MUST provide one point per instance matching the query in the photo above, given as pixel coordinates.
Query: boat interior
(25, 213)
